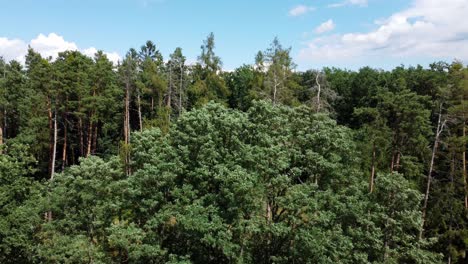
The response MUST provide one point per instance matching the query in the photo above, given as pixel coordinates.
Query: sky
(321, 33)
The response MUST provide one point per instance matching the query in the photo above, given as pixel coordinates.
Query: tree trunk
(64, 149)
(54, 149)
(51, 132)
(318, 91)
(428, 188)
(452, 173)
(127, 127)
(127, 115)
(464, 166)
(397, 163)
(181, 88)
(275, 89)
(80, 128)
(371, 181)
(140, 121)
(95, 136)
(169, 92)
(5, 123)
(440, 128)
(53, 157)
(90, 136)
(392, 165)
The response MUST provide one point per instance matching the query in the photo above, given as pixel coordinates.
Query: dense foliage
(154, 161)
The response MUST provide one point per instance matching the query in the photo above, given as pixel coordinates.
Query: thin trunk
(452, 173)
(397, 164)
(65, 136)
(127, 115)
(464, 156)
(51, 132)
(392, 165)
(169, 92)
(275, 88)
(64, 149)
(181, 88)
(464, 166)
(4, 115)
(90, 129)
(80, 128)
(54, 149)
(160, 99)
(140, 121)
(371, 181)
(95, 136)
(5, 123)
(3, 128)
(318, 91)
(73, 154)
(440, 128)
(269, 215)
(90, 135)
(127, 128)
(428, 188)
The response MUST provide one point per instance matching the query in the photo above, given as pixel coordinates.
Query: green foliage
(207, 84)
(274, 184)
(19, 213)
(275, 79)
(241, 83)
(277, 181)
(84, 201)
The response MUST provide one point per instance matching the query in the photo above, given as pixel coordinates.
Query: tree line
(161, 161)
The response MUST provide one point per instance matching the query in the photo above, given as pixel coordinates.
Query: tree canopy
(156, 160)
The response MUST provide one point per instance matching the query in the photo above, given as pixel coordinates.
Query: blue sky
(342, 33)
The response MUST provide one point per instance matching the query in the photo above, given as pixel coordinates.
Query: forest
(157, 160)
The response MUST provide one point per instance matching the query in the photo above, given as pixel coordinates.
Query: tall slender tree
(278, 66)
(207, 82)
(128, 75)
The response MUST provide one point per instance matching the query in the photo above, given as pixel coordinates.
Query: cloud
(349, 2)
(114, 57)
(12, 49)
(326, 26)
(51, 45)
(423, 30)
(47, 45)
(300, 10)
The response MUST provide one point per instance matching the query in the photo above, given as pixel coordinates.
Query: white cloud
(112, 56)
(51, 45)
(90, 52)
(326, 26)
(350, 2)
(12, 49)
(429, 28)
(300, 10)
(47, 45)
